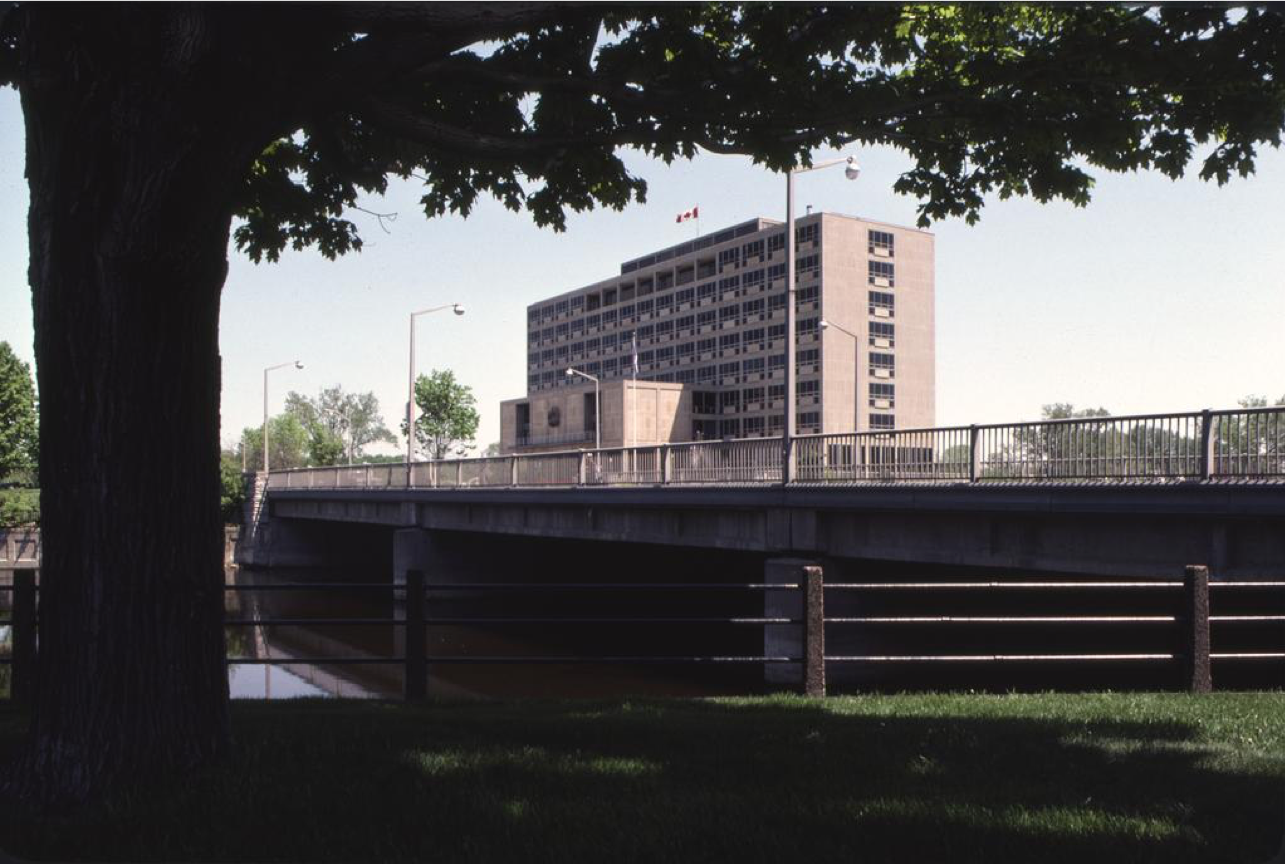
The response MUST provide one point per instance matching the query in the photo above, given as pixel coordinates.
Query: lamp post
(597, 408)
(852, 172)
(458, 309)
(296, 364)
(856, 369)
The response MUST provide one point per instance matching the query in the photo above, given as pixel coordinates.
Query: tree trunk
(131, 170)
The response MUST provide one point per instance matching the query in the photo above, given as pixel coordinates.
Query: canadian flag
(694, 213)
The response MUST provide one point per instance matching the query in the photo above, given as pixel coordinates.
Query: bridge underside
(1144, 531)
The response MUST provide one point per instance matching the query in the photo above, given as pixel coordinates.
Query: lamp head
(823, 324)
(458, 309)
(298, 365)
(853, 171)
(570, 372)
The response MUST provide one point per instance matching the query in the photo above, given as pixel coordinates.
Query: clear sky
(1160, 296)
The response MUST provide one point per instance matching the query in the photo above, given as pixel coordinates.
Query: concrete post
(416, 680)
(785, 640)
(1208, 446)
(974, 454)
(23, 684)
(513, 470)
(666, 471)
(582, 469)
(1196, 675)
(813, 632)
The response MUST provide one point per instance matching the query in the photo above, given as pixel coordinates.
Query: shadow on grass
(886, 779)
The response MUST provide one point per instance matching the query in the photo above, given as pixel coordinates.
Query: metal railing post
(813, 631)
(22, 687)
(1196, 677)
(416, 683)
(1208, 446)
(974, 446)
(513, 470)
(666, 470)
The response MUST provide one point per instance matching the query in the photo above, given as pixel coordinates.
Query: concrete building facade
(706, 320)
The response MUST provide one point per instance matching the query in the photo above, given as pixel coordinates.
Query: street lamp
(597, 408)
(458, 309)
(296, 364)
(856, 369)
(852, 172)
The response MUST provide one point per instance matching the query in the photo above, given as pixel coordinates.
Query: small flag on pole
(694, 213)
(634, 342)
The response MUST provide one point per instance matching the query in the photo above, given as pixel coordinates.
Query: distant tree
(341, 424)
(19, 438)
(495, 448)
(232, 480)
(447, 420)
(289, 444)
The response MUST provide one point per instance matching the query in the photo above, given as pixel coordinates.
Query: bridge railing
(1244, 443)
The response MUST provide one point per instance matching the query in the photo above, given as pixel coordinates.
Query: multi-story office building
(707, 318)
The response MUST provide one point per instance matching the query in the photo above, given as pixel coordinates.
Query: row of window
(747, 341)
(808, 266)
(749, 369)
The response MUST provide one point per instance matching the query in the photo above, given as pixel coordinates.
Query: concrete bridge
(1124, 496)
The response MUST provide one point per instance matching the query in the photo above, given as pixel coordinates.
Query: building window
(533, 380)
(686, 349)
(881, 243)
(880, 330)
(881, 301)
(754, 427)
(705, 346)
(809, 422)
(729, 428)
(627, 292)
(807, 326)
(664, 355)
(776, 242)
(663, 281)
(753, 308)
(706, 374)
(753, 249)
(665, 329)
(752, 279)
(728, 313)
(882, 363)
(665, 304)
(806, 294)
(704, 402)
(685, 376)
(883, 421)
(730, 399)
(647, 357)
(881, 273)
(546, 356)
(728, 287)
(808, 357)
(729, 370)
(776, 271)
(609, 343)
(577, 305)
(752, 340)
(752, 394)
(645, 307)
(592, 302)
(807, 388)
(609, 297)
(775, 302)
(686, 323)
(593, 368)
(687, 295)
(729, 257)
(706, 318)
(609, 318)
(646, 331)
(627, 313)
(610, 366)
(533, 359)
(808, 267)
(533, 315)
(706, 292)
(882, 393)
(729, 340)
(775, 331)
(775, 391)
(546, 313)
(807, 233)
(776, 361)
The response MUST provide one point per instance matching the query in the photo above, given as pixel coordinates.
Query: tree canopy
(19, 436)
(448, 418)
(531, 102)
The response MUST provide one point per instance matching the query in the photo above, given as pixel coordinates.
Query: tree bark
(132, 164)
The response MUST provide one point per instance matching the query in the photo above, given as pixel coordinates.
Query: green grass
(936, 778)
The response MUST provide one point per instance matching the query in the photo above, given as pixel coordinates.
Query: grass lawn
(915, 778)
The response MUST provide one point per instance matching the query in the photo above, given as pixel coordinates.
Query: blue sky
(1160, 296)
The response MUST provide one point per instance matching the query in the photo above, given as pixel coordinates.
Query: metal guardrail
(1239, 444)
